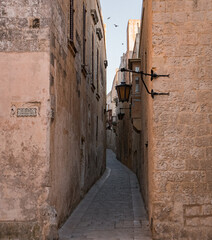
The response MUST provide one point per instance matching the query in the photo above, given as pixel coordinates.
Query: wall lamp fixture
(105, 63)
(123, 91)
(152, 75)
(120, 114)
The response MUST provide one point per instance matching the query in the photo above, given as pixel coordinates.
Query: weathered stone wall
(50, 159)
(78, 136)
(24, 161)
(24, 152)
(179, 125)
(24, 26)
(112, 99)
(145, 176)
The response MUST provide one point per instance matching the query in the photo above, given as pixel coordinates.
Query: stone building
(176, 128)
(52, 112)
(176, 39)
(127, 139)
(111, 124)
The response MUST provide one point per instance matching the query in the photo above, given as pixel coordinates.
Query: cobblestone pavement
(112, 209)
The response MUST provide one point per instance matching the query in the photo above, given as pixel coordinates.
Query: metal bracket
(153, 94)
(155, 75)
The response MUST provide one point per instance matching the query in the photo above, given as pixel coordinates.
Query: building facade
(176, 39)
(52, 117)
(111, 122)
(128, 128)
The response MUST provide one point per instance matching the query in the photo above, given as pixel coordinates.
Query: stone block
(209, 153)
(191, 211)
(179, 6)
(207, 209)
(192, 222)
(189, 39)
(162, 17)
(203, 130)
(200, 188)
(205, 141)
(205, 38)
(188, 188)
(209, 175)
(206, 221)
(208, 16)
(209, 186)
(158, 6)
(189, 131)
(197, 16)
(179, 17)
(192, 164)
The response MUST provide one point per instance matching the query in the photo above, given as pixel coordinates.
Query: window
(137, 86)
(84, 33)
(137, 69)
(71, 30)
(97, 128)
(97, 70)
(92, 63)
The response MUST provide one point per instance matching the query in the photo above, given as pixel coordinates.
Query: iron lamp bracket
(152, 75)
(155, 75)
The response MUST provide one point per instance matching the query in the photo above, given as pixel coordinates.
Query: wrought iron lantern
(121, 116)
(123, 91)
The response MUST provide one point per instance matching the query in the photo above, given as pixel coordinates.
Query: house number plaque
(26, 112)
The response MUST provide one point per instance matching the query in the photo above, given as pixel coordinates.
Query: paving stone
(112, 210)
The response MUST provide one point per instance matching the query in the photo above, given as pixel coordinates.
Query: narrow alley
(105, 120)
(112, 209)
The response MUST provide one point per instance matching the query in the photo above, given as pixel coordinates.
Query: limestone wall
(52, 120)
(179, 125)
(24, 119)
(78, 136)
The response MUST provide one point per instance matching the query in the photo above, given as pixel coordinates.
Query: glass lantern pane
(122, 93)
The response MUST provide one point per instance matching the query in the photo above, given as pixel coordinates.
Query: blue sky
(119, 11)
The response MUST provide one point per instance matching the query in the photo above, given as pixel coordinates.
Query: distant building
(111, 125)
(52, 112)
(123, 140)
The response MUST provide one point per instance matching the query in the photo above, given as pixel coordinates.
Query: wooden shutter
(97, 70)
(84, 32)
(92, 58)
(71, 20)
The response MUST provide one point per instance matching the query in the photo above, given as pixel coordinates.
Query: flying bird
(116, 25)
(108, 18)
(122, 43)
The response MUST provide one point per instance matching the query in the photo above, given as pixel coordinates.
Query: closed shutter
(71, 20)
(97, 70)
(84, 32)
(92, 58)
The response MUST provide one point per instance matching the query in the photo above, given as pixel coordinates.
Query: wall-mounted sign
(26, 112)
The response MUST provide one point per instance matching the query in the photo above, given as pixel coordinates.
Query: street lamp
(123, 91)
(121, 115)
